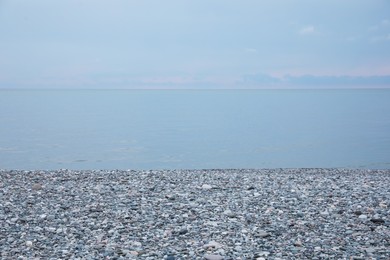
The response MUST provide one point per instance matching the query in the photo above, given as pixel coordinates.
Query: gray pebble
(213, 257)
(195, 214)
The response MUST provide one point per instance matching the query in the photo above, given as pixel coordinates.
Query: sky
(194, 43)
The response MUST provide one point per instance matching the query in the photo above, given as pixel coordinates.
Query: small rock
(206, 187)
(51, 229)
(29, 243)
(363, 216)
(370, 250)
(262, 234)
(37, 186)
(213, 257)
(134, 253)
(298, 243)
(170, 197)
(183, 231)
(377, 220)
(229, 213)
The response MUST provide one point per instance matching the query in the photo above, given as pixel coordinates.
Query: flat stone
(262, 234)
(229, 213)
(377, 220)
(37, 186)
(207, 187)
(213, 257)
(134, 253)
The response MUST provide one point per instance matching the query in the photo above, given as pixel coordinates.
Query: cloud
(307, 30)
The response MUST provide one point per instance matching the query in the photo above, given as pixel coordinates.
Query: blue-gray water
(170, 129)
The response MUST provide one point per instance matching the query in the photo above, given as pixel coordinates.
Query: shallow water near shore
(194, 129)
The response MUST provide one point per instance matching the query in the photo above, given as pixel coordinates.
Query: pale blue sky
(197, 43)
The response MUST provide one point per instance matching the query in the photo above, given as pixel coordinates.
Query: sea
(194, 129)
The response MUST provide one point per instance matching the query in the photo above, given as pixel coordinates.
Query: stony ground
(200, 214)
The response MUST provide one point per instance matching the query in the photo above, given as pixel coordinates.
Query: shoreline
(307, 213)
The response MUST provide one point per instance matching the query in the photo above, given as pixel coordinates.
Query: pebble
(263, 253)
(298, 243)
(37, 186)
(229, 213)
(377, 220)
(363, 216)
(180, 214)
(262, 234)
(370, 250)
(213, 257)
(183, 231)
(207, 187)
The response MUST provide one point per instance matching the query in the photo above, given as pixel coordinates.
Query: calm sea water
(170, 129)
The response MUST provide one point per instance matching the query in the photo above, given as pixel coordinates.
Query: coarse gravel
(195, 214)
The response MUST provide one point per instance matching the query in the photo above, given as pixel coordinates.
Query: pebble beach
(195, 214)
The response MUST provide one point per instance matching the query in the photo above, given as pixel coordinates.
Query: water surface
(170, 129)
